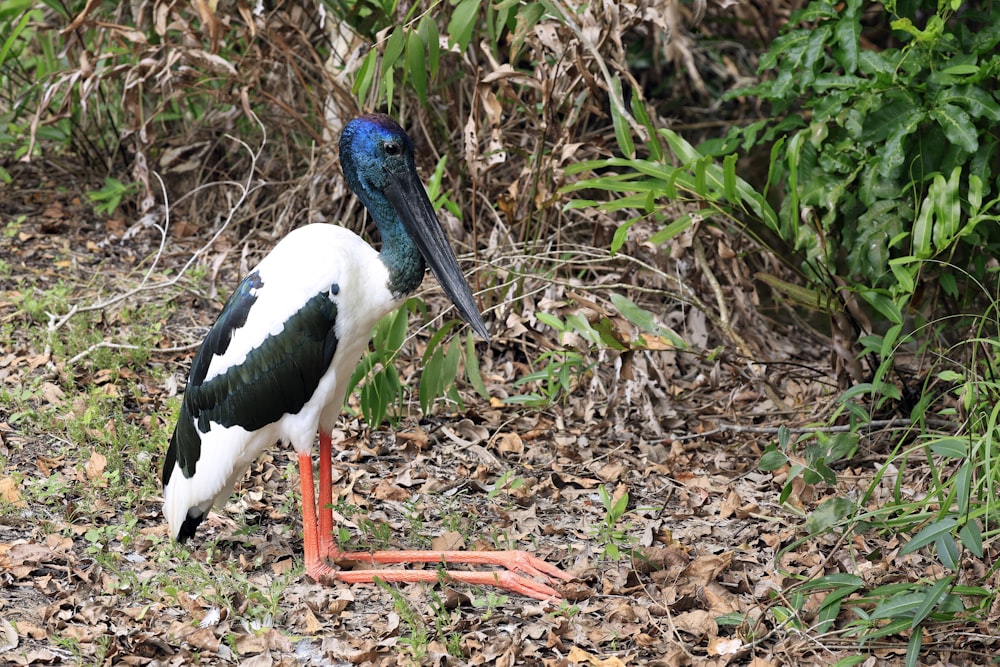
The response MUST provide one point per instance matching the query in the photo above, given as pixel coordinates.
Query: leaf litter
(90, 577)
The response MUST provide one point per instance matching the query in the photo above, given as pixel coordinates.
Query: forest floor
(696, 567)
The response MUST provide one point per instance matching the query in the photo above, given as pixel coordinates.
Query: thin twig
(245, 189)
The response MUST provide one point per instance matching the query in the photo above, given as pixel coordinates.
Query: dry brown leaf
(578, 655)
(8, 636)
(38, 656)
(29, 629)
(37, 360)
(729, 505)
(724, 646)
(10, 492)
(509, 443)
(697, 622)
(52, 393)
(259, 660)
(449, 541)
(306, 621)
(706, 568)
(95, 465)
(341, 649)
(386, 490)
(204, 639)
(612, 472)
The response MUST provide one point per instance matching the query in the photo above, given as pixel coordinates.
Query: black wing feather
(278, 377)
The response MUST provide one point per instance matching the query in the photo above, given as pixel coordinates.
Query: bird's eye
(392, 148)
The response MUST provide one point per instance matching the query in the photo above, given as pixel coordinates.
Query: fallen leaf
(52, 393)
(307, 623)
(95, 465)
(261, 660)
(37, 360)
(28, 629)
(449, 541)
(724, 646)
(8, 636)
(578, 655)
(204, 639)
(509, 443)
(386, 490)
(39, 656)
(697, 622)
(10, 492)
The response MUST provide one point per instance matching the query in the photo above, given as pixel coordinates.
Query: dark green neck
(399, 253)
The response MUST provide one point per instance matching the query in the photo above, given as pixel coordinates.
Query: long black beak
(408, 197)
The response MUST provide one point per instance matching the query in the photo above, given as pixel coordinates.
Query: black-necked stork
(275, 365)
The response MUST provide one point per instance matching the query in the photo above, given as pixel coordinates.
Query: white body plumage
(318, 259)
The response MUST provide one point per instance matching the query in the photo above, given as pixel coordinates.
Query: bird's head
(372, 148)
(377, 157)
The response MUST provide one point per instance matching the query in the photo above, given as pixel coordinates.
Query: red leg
(327, 545)
(316, 566)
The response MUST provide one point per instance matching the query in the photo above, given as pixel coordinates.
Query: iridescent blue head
(377, 157)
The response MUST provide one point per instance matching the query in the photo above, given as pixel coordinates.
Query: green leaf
(931, 597)
(463, 23)
(528, 16)
(829, 514)
(551, 320)
(954, 448)
(923, 229)
(977, 101)
(365, 76)
(947, 551)
(850, 661)
(623, 133)
(472, 367)
(961, 70)
(583, 328)
(972, 537)
(903, 270)
(621, 235)
(898, 606)
(429, 34)
(643, 319)
(13, 36)
(948, 206)
(416, 64)
(676, 227)
(642, 116)
(848, 33)
(440, 368)
(957, 126)
(930, 533)
(963, 486)
(772, 459)
(883, 304)
(607, 331)
(393, 49)
(893, 154)
(913, 648)
(618, 509)
(729, 177)
(975, 194)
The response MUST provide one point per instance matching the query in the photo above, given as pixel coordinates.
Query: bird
(275, 365)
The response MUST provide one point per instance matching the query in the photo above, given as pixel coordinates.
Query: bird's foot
(504, 579)
(516, 563)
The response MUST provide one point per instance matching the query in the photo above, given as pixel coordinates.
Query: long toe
(528, 563)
